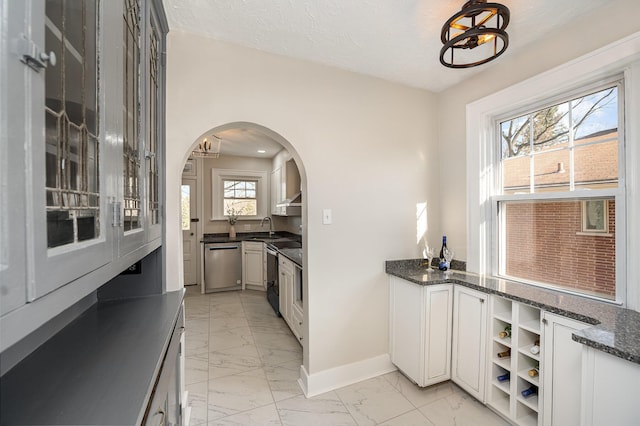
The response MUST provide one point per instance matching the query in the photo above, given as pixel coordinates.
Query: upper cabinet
(286, 197)
(83, 142)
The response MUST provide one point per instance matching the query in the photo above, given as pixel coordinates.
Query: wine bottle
(530, 391)
(506, 332)
(535, 370)
(443, 263)
(504, 354)
(504, 377)
(535, 349)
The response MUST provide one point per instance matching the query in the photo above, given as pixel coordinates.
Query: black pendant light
(478, 24)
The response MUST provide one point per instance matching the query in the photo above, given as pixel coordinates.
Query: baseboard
(335, 378)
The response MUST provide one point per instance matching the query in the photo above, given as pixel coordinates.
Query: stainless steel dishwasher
(222, 266)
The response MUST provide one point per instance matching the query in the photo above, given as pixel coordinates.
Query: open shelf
(500, 402)
(529, 318)
(527, 352)
(502, 309)
(526, 418)
(531, 401)
(505, 397)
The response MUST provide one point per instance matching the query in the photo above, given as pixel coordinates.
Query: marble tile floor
(242, 364)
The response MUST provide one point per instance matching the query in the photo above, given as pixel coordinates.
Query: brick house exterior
(556, 250)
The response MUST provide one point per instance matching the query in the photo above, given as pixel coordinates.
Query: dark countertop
(616, 330)
(249, 236)
(100, 369)
(294, 254)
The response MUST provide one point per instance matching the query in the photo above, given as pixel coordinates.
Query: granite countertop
(249, 236)
(615, 330)
(294, 254)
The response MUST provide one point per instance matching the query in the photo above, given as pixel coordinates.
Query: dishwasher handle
(224, 248)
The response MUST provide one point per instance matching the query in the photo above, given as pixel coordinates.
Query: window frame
(218, 176)
(497, 196)
(611, 60)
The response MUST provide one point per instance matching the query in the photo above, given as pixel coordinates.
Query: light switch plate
(326, 217)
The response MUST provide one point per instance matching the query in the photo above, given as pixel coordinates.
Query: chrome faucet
(270, 224)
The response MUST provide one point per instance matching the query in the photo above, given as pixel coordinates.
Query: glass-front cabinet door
(82, 141)
(68, 143)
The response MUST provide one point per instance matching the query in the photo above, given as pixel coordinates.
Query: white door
(189, 209)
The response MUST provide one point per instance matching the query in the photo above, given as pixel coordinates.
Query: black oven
(273, 291)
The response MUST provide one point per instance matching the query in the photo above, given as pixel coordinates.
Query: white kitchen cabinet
(276, 190)
(297, 319)
(469, 340)
(420, 330)
(285, 184)
(253, 265)
(609, 390)
(562, 375)
(285, 284)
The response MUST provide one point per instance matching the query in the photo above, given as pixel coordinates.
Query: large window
(559, 184)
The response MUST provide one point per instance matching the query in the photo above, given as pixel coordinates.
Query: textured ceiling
(395, 40)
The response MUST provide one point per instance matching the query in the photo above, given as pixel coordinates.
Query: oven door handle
(271, 251)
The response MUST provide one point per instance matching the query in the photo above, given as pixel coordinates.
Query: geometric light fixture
(208, 149)
(475, 35)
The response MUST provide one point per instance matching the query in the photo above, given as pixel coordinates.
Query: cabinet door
(252, 267)
(285, 284)
(562, 371)
(437, 361)
(407, 327)
(469, 340)
(276, 190)
(13, 173)
(67, 123)
(155, 103)
(609, 389)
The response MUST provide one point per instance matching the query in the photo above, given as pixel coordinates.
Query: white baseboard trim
(335, 378)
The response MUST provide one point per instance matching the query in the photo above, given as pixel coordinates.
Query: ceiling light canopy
(478, 25)
(207, 148)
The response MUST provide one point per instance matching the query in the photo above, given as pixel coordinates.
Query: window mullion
(532, 182)
(572, 182)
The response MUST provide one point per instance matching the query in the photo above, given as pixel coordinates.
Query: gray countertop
(100, 369)
(616, 330)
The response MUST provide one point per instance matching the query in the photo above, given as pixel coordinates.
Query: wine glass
(430, 253)
(448, 256)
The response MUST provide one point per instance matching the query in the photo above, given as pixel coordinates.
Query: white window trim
(217, 191)
(619, 57)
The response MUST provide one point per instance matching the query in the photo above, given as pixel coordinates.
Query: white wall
(575, 39)
(369, 153)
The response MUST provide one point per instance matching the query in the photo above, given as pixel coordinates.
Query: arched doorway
(239, 149)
